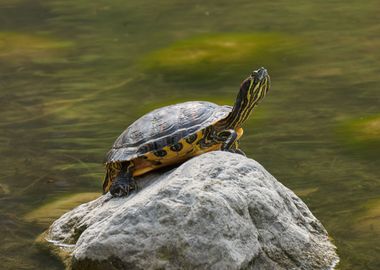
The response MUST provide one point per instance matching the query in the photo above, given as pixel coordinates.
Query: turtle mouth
(260, 74)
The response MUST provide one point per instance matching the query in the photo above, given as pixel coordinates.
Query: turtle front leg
(124, 182)
(227, 138)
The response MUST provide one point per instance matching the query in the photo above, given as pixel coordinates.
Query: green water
(74, 74)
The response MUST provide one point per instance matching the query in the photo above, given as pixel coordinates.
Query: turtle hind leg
(112, 170)
(124, 182)
(123, 186)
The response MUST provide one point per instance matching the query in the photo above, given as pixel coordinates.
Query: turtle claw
(122, 187)
(240, 152)
(236, 151)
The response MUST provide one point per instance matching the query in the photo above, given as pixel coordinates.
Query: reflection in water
(74, 74)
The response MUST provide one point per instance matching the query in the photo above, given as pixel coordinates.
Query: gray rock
(216, 211)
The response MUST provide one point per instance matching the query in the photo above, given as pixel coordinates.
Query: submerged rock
(47, 213)
(17, 48)
(361, 135)
(369, 220)
(216, 211)
(221, 55)
(4, 189)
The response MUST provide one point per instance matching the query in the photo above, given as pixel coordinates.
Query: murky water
(74, 74)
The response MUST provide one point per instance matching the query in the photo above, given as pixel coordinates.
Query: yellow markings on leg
(113, 170)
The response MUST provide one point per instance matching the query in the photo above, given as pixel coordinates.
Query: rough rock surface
(216, 211)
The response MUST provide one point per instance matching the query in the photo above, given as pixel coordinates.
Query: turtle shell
(163, 127)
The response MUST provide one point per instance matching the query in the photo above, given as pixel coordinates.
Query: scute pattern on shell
(165, 126)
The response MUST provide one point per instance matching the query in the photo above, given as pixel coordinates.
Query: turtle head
(252, 90)
(255, 87)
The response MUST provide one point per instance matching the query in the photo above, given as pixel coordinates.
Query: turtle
(173, 134)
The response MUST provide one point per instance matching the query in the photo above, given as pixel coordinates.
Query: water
(74, 74)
